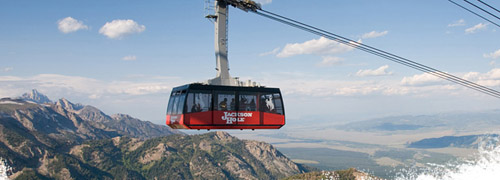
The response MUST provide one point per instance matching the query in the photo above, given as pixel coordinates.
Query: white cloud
(264, 1)
(6, 69)
(475, 28)
(90, 87)
(297, 84)
(129, 58)
(381, 71)
(119, 28)
(493, 55)
(471, 76)
(424, 79)
(330, 61)
(460, 22)
(316, 46)
(374, 34)
(273, 52)
(69, 24)
(490, 78)
(493, 74)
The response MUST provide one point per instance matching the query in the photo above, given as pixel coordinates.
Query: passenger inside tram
(223, 105)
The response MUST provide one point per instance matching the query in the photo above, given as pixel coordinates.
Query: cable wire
(474, 13)
(482, 9)
(379, 53)
(489, 6)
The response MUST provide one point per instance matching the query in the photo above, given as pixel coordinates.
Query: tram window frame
(182, 102)
(175, 105)
(170, 104)
(262, 102)
(205, 97)
(278, 104)
(247, 106)
(217, 97)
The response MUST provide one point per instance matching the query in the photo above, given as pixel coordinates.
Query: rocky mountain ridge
(215, 155)
(63, 140)
(36, 97)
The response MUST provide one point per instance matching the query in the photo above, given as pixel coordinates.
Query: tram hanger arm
(245, 5)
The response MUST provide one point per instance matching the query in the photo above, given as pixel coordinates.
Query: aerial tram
(225, 102)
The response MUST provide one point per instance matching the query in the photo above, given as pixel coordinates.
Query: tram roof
(198, 86)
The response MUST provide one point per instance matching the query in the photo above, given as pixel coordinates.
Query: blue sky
(125, 56)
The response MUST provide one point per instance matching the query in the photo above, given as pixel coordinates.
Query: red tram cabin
(198, 106)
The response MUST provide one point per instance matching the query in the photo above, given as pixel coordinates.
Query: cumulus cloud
(424, 79)
(493, 55)
(476, 28)
(381, 71)
(432, 83)
(129, 58)
(298, 84)
(119, 28)
(374, 34)
(273, 52)
(69, 25)
(330, 61)
(460, 22)
(319, 46)
(491, 78)
(92, 88)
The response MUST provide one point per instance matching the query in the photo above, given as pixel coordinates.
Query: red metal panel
(273, 119)
(236, 127)
(199, 118)
(226, 120)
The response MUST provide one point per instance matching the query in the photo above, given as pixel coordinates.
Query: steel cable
(474, 13)
(482, 9)
(380, 53)
(489, 6)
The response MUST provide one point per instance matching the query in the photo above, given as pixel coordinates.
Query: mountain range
(469, 141)
(44, 139)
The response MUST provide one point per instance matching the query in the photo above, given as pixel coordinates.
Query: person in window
(233, 104)
(243, 103)
(193, 108)
(252, 105)
(223, 105)
(196, 108)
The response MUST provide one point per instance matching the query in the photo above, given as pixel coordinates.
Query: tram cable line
(474, 13)
(399, 60)
(225, 102)
(482, 9)
(382, 54)
(486, 4)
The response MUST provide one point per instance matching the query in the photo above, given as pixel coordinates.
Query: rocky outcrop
(36, 97)
(215, 155)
